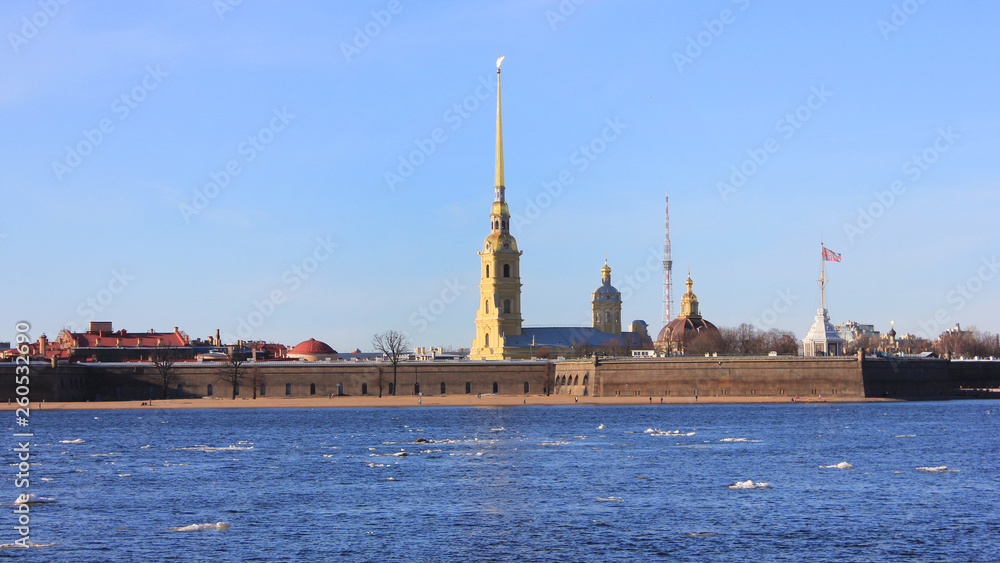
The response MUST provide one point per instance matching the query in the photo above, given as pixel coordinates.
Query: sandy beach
(427, 401)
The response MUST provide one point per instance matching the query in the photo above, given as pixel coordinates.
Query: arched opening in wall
(576, 380)
(416, 388)
(525, 387)
(210, 390)
(312, 388)
(364, 388)
(584, 390)
(392, 389)
(486, 304)
(340, 389)
(496, 388)
(468, 387)
(487, 270)
(486, 341)
(263, 389)
(585, 378)
(506, 306)
(607, 316)
(442, 388)
(506, 270)
(288, 389)
(180, 390)
(236, 389)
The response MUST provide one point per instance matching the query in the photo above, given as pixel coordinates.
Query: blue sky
(186, 164)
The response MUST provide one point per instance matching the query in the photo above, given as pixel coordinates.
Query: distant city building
(312, 350)
(852, 330)
(100, 343)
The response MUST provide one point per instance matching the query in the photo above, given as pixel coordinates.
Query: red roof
(312, 347)
(128, 339)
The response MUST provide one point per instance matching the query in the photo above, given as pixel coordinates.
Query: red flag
(830, 255)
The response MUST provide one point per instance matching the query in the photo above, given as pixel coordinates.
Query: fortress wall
(297, 379)
(717, 376)
(908, 378)
(63, 383)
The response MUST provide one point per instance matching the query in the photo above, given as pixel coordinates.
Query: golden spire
(498, 182)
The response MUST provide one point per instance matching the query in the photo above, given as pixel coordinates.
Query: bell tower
(499, 313)
(606, 305)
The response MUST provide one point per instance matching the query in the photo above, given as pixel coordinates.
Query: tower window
(506, 270)
(487, 270)
(487, 305)
(506, 305)
(607, 316)
(486, 342)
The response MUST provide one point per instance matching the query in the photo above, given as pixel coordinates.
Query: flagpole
(822, 274)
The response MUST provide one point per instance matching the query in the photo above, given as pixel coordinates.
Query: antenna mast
(668, 267)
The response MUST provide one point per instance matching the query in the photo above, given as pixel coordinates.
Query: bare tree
(394, 346)
(380, 381)
(163, 359)
(704, 342)
(257, 378)
(233, 369)
(968, 343)
(617, 347)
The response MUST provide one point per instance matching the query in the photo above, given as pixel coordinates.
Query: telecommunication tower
(668, 266)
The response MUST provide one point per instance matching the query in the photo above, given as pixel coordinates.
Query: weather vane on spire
(499, 60)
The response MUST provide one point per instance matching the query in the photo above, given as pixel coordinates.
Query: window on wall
(442, 387)
(288, 389)
(263, 389)
(487, 270)
(210, 391)
(468, 387)
(496, 387)
(607, 316)
(526, 387)
(506, 270)
(487, 305)
(506, 305)
(312, 388)
(486, 342)
(364, 388)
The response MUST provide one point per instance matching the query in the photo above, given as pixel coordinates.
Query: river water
(844, 482)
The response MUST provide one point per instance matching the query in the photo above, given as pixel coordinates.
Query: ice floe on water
(658, 432)
(238, 446)
(201, 527)
(25, 544)
(749, 484)
(738, 440)
(76, 441)
(601, 426)
(610, 499)
(553, 443)
(500, 429)
(938, 469)
(905, 436)
(841, 465)
(32, 498)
